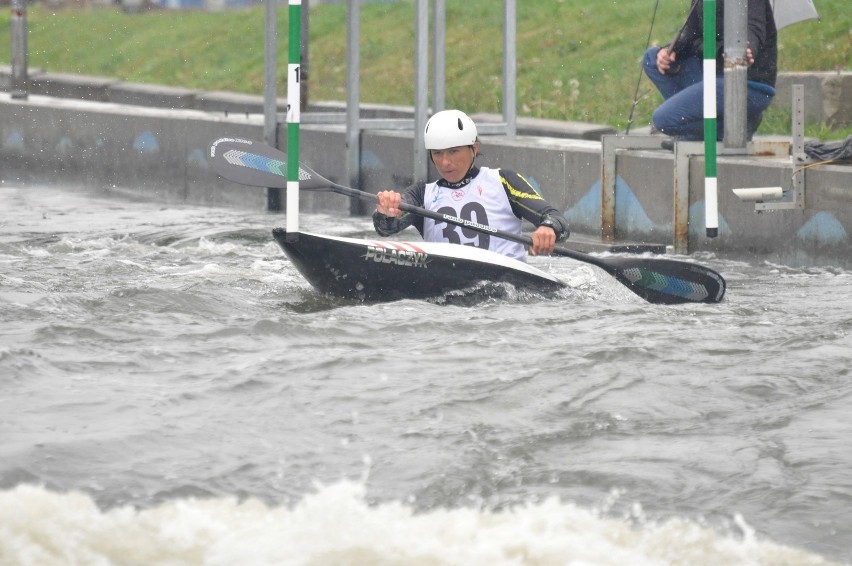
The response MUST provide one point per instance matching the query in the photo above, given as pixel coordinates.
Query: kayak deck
(384, 270)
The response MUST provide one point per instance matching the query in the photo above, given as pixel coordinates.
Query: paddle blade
(257, 165)
(665, 281)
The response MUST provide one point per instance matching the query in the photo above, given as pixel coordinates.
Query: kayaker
(499, 198)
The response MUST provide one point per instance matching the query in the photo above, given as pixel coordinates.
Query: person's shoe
(667, 144)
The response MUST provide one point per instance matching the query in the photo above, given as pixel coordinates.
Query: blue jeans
(681, 114)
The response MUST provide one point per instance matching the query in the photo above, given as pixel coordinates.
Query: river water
(173, 392)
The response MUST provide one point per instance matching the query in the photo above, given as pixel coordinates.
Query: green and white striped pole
(711, 204)
(293, 107)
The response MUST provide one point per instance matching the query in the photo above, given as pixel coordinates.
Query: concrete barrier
(828, 96)
(152, 96)
(6, 76)
(65, 85)
(160, 153)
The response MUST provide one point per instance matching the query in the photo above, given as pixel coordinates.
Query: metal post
(798, 159)
(736, 72)
(439, 56)
(353, 100)
(19, 49)
(303, 78)
(421, 89)
(798, 150)
(510, 111)
(270, 111)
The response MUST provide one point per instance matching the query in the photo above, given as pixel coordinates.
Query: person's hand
(749, 57)
(544, 241)
(388, 203)
(665, 59)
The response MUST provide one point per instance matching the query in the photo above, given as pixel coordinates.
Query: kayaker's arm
(387, 225)
(529, 205)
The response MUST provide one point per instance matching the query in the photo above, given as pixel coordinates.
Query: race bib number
(472, 211)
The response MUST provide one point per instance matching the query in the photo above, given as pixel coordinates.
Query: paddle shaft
(482, 228)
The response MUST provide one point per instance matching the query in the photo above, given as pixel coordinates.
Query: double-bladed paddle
(661, 281)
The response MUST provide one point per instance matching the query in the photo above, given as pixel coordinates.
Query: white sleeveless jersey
(483, 201)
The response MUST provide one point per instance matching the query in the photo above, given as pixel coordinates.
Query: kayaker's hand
(544, 241)
(389, 203)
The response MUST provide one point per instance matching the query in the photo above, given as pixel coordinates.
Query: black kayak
(342, 267)
(385, 270)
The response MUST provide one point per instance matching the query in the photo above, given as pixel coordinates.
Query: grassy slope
(577, 59)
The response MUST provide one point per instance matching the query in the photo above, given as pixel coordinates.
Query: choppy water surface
(173, 392)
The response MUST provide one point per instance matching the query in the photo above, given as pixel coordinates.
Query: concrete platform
(156, 96)
(64, 85)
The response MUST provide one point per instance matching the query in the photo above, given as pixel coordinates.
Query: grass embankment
(577, 59)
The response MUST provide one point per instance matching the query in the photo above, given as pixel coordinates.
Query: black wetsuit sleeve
(763, 41)
(529, 205)
(688, 42)
(388, 225)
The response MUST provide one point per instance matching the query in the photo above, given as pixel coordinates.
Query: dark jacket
(762, 39)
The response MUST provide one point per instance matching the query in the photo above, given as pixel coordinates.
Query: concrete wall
(828, 96)
(106, 89)
(160, 153)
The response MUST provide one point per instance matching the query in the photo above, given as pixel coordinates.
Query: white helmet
(449, 128)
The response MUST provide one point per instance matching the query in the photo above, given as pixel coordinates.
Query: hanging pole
(270, 88)
(305, 60)
(293, 114)
(421, 88)
(439, 60)
(711, 204)
(353, 99)
(510, 68)
(19, 49)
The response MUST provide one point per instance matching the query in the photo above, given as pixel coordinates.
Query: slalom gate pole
(711, 202)
(294, 43)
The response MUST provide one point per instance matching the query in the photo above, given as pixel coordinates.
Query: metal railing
(355, 125)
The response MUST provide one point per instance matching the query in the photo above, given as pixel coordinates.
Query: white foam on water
(336, 526)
